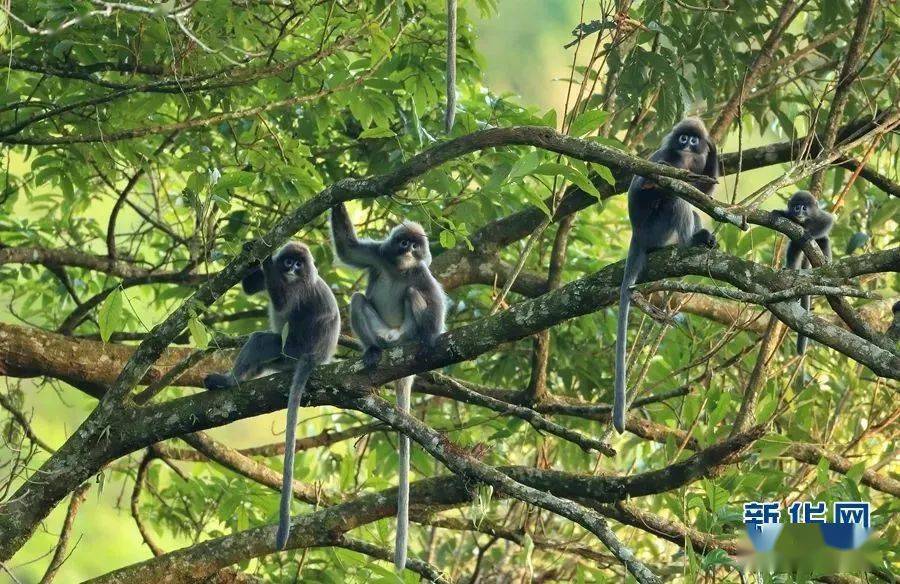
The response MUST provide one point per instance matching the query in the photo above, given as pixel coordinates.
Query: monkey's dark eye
(694, 140)
(404, 244)
(287, 262)
(683, 139)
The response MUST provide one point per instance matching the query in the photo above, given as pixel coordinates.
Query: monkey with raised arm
(304, 327)
(803, 209)
(659, 218)
(403, 303)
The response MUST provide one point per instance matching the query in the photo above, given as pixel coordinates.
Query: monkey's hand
(805, 238)
(704, 238)
(218, 381)
(371, 357)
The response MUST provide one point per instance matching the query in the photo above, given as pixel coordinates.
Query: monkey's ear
(712, 161)
(254, 282)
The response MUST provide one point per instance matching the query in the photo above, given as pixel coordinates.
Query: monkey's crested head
(689, 134)
(801, 205)
(294, 262)
(407, 245)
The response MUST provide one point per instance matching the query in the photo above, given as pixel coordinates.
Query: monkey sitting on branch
(803, 209)
(403, 303)
(659, 218)
(304, 324)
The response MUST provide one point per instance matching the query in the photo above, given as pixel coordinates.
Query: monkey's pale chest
(387, 295)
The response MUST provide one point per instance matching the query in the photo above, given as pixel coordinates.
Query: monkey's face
(800, 208)
(295, 263)
(691, 143)
(408, 250)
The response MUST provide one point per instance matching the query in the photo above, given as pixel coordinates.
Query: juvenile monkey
(803, 209)
(403, 303)
(304, 327)
(659, 218)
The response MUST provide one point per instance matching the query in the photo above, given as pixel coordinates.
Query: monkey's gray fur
(803, 209)
(403, 303)
(301, 301)
(658, 219)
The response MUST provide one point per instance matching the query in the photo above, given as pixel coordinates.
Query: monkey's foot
(704, 238)
(371, 357)
(218, 381)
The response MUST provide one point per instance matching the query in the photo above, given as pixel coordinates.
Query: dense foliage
(145, 142)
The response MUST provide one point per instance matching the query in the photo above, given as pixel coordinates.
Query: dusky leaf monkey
(803, 209)
(659, 218)
(304, 327)
(403, 303)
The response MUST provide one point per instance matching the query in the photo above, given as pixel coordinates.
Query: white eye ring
(682, 139)
(288, 263)
(694, 140)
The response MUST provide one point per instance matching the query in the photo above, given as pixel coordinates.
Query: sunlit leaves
(111, 315)
(587, 122)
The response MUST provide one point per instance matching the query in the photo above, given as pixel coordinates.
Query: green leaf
(855, 472)
(513, 425)
(574, 176)
(199, 334)
(447, 239)
(587, 122)
(110, 317)
(822, 472)
(549, 118)
(604, 173)
(61, 47)
(377, 132)
(239, 178)
(772, 446)
(525, 165)
(583, 182)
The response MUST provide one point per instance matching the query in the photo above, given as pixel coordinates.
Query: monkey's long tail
(450, 114)
(404, 388)
(298, 385)
(801, 340)
(634, 263)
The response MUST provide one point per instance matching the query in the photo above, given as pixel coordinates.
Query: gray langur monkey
(450, 114)
(403, 303)
(304, 326)
(803, 209)
(659, 218)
